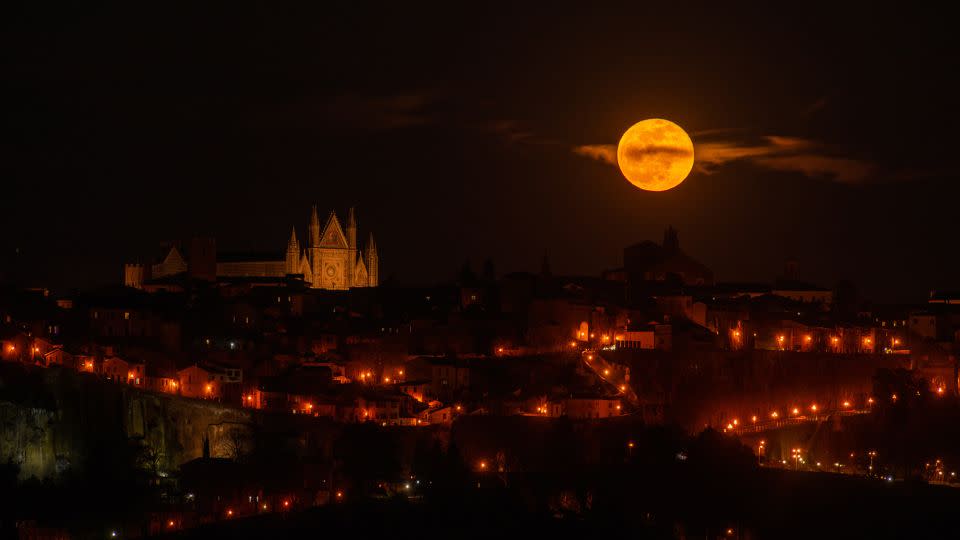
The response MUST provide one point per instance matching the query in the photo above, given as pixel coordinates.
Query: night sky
(473, 133)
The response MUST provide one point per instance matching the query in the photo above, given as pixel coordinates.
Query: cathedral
(330, 259)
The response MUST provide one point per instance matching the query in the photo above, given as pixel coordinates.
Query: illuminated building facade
(331, 259)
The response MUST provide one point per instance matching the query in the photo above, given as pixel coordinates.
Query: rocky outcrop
(51, 420)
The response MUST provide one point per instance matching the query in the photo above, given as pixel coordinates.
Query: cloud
(513, 131)
(773, 152)
(845, 170)
(786, 154)
(637, 152)
(353, 112)
(379, 113)
(815, 106)
(606, 153)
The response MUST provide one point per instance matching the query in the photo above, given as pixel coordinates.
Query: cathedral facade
(331, 258)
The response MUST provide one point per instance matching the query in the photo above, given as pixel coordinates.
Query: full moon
(655, 154)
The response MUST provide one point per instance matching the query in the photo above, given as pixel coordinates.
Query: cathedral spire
(293, 253)
(293, 245)
(373, 263)
(314, 227)
(352, 245)
(352, 229)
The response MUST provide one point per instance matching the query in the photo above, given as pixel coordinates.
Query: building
(652, 262)
(331, 259)
(592, 406)
(207, 380)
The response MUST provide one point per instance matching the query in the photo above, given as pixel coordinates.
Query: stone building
(330, 259)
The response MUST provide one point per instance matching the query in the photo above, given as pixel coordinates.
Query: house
(592, 406)
(119, 370)
(448, 376)
(437, 415)
(161, 379)
(207, 380)
(416, 389)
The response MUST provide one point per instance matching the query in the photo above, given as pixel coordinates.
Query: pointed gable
(305, 269)
(333, 236)
(360, 275)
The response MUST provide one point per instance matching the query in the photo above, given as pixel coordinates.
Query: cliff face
(51, 420)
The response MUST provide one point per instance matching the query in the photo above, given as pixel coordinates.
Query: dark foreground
(771, 504)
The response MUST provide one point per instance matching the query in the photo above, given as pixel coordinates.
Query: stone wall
(51, 419)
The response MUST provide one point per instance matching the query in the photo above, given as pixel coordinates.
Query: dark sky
(826, 136)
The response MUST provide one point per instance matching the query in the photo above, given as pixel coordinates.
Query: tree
(235, 443)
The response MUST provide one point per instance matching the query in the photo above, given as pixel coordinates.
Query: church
(330, 259)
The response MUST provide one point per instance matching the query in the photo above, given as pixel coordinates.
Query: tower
(293, 254)
(791, 270)
(314, 227)
(373, 263)
(202, 261)
(313, 249)
(671, 242)
(352, 246)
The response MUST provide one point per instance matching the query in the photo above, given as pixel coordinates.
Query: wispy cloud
(380, 113)
(606, 153)
(513, 131)
(773, 152)
(786, 154)
(354, 112)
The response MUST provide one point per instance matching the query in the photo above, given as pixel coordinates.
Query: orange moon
(655, 154)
